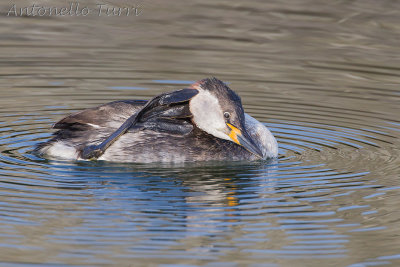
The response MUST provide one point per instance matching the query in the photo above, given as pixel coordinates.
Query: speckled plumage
(144, 143)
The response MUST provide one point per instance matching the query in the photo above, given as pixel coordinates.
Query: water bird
(204, 122)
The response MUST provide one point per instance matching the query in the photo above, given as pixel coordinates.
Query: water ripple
(112, 205)
(328, 91)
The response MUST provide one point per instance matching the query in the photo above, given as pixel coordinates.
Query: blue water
(322, 77)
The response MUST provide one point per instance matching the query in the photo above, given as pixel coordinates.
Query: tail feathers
(57, 149)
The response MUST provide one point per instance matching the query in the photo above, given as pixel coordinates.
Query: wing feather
(110, 115)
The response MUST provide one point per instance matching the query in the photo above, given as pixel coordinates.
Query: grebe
(201, 123)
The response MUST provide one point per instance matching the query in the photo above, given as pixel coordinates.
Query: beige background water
(323, 75)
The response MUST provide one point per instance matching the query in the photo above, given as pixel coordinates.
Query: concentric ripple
(307, 205)
(322, 77)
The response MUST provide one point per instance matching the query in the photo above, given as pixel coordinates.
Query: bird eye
(227, 115)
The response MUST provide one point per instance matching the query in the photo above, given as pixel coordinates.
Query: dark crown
(219, 88)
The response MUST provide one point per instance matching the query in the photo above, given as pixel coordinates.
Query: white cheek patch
(208, 115)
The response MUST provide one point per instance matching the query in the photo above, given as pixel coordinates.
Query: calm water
(324, 77)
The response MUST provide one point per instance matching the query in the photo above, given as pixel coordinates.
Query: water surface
(324, 77)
